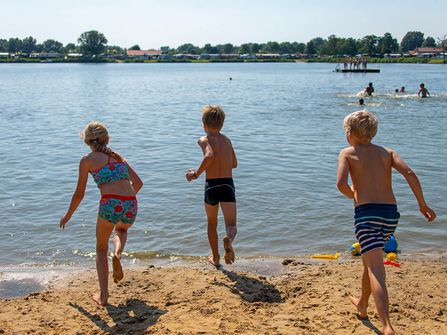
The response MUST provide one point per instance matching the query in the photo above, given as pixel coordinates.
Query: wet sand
(297, 298)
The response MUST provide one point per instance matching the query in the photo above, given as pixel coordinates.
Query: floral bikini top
(111, 172)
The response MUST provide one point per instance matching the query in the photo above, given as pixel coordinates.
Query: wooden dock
(358, 70)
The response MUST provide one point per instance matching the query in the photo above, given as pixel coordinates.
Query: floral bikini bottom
(116, 208)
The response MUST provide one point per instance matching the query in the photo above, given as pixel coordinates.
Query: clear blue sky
(155, 23)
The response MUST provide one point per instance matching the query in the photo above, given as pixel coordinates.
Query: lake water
(285, 121)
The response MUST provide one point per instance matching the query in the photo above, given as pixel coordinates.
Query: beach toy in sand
(390, 245)
(392, 263)
(391, 256)
(355, 249)
(326, 256)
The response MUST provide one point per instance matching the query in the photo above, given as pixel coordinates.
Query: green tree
(209, 49)
(285, 48)
(53, 46)
(29, 44)
(429, 42)
(14, 45)
(310, 48)
(298, 47)
(255, 48)
(244, 48)
(188, 48)
(228, 48)
(271, 47)
(387, 44)
(318, 43)
(369, 45)
(92, 43)
(4, 46)
(411, 41)
(70, 48)
(134, 47)
(348, 47)
(167, 50)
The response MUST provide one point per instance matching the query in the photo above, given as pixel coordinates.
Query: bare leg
(362, 302)
(229, 213)
(103, 231)
(211, 213)
(119, 241)
(373, 260)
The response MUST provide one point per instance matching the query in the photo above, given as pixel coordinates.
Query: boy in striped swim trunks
(376, 216)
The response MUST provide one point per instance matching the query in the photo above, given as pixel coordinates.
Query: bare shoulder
(203, 139)
(346, 151)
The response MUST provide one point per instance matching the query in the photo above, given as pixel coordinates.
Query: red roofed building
(144, 54)
(426, 52)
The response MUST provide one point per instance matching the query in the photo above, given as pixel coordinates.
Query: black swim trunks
(219, 190)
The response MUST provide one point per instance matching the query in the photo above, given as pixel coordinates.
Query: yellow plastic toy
(326, 256)
(391, 256)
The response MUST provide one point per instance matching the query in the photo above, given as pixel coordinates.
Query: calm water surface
(285, 121)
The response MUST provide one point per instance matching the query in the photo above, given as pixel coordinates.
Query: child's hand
(190, 175)
(63, 221)
(428, 213)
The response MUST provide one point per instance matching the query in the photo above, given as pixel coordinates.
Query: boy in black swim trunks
(370, 167)
(219, 160)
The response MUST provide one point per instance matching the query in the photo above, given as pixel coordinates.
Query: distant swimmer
(396, 90)
(361, 102)
(423, 91)
(402, 90)
(231, 78)
(370, 89)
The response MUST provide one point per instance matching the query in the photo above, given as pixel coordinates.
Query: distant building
(4, 54)
(144, 54)
(46, 55)
(426, 52)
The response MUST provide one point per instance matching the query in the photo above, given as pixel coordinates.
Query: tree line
(94, 43)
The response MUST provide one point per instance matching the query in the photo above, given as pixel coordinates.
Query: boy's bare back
(224, 158)
(370, 167)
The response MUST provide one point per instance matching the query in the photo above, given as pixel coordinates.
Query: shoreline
(299, 297)
(373, 62)
(17, 281)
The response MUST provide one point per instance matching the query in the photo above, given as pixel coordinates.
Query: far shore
(299, 297)
(371, 61)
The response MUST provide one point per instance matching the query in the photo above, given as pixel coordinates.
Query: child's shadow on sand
(143, 316)
(253, 290)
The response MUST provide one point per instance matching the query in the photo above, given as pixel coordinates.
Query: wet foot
(102, 301)
(213, 261)
(361, 310)
(229, 252)
(117, 269)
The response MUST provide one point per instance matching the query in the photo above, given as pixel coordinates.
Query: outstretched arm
(78, 194)
(415, 185)
(342, 176)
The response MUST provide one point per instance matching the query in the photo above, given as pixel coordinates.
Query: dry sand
(303, 299)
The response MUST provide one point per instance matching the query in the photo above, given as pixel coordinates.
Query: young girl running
(118, 184)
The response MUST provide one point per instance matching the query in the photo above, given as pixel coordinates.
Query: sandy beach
(300, 298)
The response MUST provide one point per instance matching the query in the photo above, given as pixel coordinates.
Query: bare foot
(388, 331)
(213, 261)
(229, 252)
(361, 310)
(102, 301)
(117, 269)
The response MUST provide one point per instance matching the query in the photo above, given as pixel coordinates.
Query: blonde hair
(213, 116)
(362, 124)
(95, 134)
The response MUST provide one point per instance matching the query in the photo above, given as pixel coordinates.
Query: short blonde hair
(362, 124)
(213, 116)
